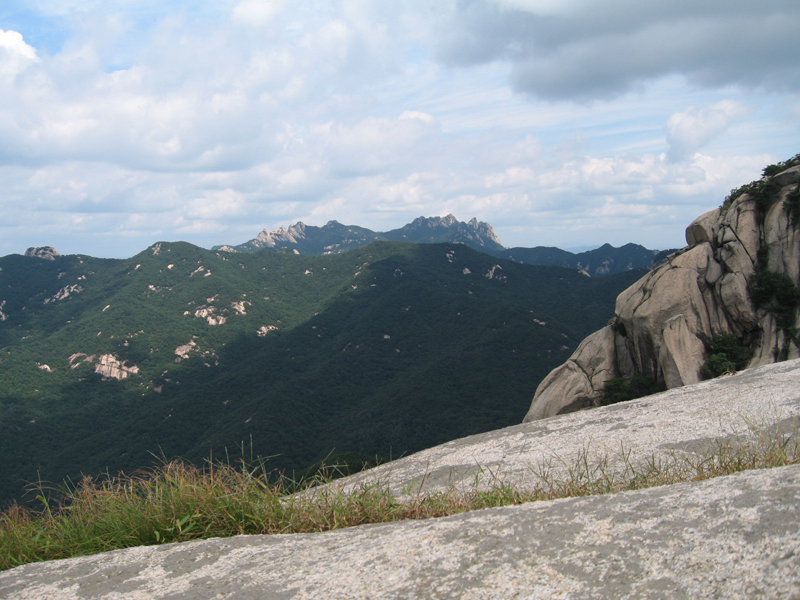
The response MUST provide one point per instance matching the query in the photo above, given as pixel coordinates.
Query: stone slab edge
(682, 420)
(730, 537)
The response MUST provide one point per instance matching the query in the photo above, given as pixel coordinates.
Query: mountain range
(386, 349)
(334, 238)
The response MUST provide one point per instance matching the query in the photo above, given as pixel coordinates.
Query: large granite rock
(663, 322)
(730, 537)
(44, 252)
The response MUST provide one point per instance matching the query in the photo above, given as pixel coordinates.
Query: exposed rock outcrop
(663, 323)
(209, 314)
(671, 424)
(110, 367)
(182, 352)
(44, 252)
(476, 234)
(64, 293)
(271, 239)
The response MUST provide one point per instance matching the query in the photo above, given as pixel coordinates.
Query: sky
(568, 123)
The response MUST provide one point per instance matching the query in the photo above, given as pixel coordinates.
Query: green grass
(180, 502)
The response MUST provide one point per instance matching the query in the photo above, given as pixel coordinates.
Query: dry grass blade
(179, 502)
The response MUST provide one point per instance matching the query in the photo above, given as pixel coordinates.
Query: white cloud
(13, 42)
(257, 13)
(15, 54)
(415, 114)
(688, 131)
(374, 145)
(211, 120)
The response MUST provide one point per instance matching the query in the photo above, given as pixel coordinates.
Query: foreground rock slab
(730, 537)
(679, 422)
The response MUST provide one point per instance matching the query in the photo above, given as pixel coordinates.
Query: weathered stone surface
(788, 177)
(64, 292)
(682, 354)
(782, 240)
(707, 284)
(733, 537)
(571, 385)
(44, 252)
(730, 537)
(111, 367)
(702, 228)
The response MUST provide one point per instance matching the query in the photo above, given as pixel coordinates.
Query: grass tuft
(179, 502)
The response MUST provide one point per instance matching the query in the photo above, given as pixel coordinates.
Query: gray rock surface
(730, 537)
(44, 252)
(662, 322)
(566, 387)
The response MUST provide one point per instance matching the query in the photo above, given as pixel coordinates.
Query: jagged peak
(484, 229)
(446, 221)
(272, 238)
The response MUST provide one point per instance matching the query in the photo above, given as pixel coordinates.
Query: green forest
(377, 352)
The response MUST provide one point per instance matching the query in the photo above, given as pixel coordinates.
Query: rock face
(730, 537)
(663, 323)
(271, 239)
(44, 252)
(109, 366)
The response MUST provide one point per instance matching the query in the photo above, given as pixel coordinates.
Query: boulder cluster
(731, 278)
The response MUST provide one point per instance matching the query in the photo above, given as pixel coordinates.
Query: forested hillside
(180, 351)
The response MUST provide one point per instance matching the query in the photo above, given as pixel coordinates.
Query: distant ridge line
(335, 238)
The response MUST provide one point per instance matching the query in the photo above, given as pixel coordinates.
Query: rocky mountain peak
(484, 230)
(475, 233)
(433, 222)
(271, 239)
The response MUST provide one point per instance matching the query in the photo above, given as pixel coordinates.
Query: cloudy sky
(561, 122)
